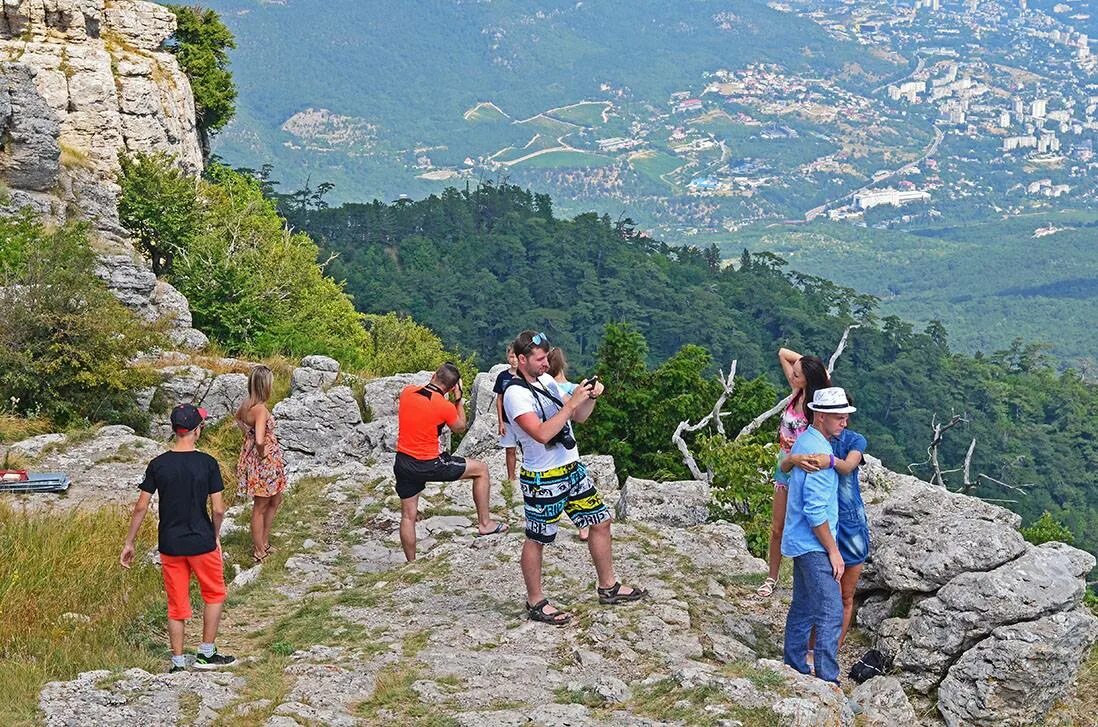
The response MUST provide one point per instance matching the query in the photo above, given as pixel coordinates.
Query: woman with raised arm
(805, 375)
(261, 469)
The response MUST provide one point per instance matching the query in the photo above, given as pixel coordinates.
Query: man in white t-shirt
(554, 482)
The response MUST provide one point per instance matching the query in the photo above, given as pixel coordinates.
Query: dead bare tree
(932, 451)
(685, 426)
(716, 414)
(969, 484)
(758, 421)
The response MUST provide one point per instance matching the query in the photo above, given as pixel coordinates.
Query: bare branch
(1016, 488)
(841, 347)
(758, 421)
(685, 426)
(968, 483)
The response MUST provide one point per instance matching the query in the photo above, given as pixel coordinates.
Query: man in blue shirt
(811, 518)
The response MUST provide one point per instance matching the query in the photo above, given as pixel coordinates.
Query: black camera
(564, 438)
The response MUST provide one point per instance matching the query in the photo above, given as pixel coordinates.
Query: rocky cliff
(981, 627)
(82, 81)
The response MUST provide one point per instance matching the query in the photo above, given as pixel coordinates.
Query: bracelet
(832, 465)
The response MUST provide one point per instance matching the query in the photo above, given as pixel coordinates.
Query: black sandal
(610, 596)
(537, 613)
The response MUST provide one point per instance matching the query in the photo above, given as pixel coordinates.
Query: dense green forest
(479, 264)
(1039, 288)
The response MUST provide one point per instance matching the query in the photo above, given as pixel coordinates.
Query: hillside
(408, 108)
(477, 265)
(989, 282)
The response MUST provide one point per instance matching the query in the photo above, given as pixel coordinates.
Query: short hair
(525, 341)
(558, 364)
(448, 375)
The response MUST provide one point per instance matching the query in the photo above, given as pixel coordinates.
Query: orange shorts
(177, 571)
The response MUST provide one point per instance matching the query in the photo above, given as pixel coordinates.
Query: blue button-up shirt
(813, 499)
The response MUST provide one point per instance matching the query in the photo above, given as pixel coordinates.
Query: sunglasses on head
(537, 340)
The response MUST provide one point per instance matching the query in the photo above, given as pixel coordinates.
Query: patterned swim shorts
(562, 490)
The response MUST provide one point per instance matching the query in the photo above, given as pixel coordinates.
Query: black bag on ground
(872, 664)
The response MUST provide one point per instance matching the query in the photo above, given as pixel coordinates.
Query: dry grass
(56, 564)
(14, 428)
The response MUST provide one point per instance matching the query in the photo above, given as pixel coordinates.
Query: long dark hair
(815, 377)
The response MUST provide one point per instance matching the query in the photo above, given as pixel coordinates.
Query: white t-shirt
(518, 400)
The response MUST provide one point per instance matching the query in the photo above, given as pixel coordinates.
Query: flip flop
(500, 528)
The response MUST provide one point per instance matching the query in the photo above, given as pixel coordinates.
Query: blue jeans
(817, 601)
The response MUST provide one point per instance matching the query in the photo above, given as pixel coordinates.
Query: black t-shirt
(184, 480)
(501, 381)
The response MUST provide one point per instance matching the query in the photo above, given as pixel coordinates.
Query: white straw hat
(831, 400)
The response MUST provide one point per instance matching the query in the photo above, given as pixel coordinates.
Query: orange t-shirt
(421, 414)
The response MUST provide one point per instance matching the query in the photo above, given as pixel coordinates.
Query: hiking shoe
(177, 669)
(216, 661)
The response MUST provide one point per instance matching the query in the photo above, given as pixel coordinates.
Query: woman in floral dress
(261, 469)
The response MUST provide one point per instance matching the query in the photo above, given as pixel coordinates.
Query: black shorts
(412, 474)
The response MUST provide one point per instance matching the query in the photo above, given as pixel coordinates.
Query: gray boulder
(719, 545)
(482, 398)
(314, 373)
(31, 153)
(381, 395)
(884, 703)
(1013, 677)
(1043, 581)
(925, 535)
(219, 394)
(681, 503)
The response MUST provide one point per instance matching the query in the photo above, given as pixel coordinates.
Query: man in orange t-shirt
(422, 412)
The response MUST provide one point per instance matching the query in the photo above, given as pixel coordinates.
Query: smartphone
(590, 383)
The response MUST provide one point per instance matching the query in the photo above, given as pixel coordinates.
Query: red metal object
(21, 475)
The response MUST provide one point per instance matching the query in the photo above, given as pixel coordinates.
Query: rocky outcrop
(679, 504)
(105, 467)
(883, 703)
(952, 587)
(81, 82)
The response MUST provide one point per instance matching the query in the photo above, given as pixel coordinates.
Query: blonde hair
(260, 381)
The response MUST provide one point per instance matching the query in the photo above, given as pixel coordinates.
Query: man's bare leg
(599, 543)
(532, 553)
(175, 635)
(477, 471)
(211, 619)
(409, 508)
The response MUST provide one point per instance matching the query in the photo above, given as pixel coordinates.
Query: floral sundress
(260, 478)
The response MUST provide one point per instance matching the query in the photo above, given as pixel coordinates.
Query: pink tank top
(792, 425)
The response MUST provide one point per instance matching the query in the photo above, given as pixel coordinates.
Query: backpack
(872, 664)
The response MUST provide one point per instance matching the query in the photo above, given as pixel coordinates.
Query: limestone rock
(219, 394)
(719, 545)
(29, 157)
(924, 536)
(1015, 675)
(138, 698)
(315, 373)
(1043, 581)
(482, 399)
(380, 395)
(105, 469)
(884, 703)
(680, 504)
(90, 81)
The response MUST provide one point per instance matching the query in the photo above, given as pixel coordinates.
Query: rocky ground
(336, 629)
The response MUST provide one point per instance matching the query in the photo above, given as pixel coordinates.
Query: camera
(564, 438)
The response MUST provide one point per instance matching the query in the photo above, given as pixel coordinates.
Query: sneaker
(177, 669)
(212, 662)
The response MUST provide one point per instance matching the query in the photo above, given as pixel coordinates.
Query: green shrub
(65, 341)
(1046, 529)
(255, 287)
(159, 207)
(741, 486)
(397, 344)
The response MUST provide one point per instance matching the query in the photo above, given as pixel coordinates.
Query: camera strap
(536, 391)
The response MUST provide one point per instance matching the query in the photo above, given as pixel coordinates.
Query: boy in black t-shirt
(188, 539)
(506, 429)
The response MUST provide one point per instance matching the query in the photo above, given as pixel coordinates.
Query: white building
(1038, 107)
(1004, 119)
(877, 197)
